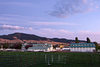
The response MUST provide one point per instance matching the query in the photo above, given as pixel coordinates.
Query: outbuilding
(82, 47)
(40, 47)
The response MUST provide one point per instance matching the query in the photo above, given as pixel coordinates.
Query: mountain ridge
(24, 36)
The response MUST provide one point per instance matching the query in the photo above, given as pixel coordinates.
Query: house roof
(39, 47)
(73, 45)
(66, 46)
(41, 44)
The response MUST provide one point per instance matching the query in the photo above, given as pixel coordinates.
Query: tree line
(14, 46)
(77, 41)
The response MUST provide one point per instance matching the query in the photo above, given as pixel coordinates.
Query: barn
(82, 47)
(39, 47)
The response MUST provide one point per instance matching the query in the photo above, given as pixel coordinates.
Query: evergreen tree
(96, 46)
(12, 47)
(88, 40)
(6, 45)
(76, 40)
(54, 46)
(18, 46)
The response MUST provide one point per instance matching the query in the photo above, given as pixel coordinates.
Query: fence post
(99, 58)
(58, 58)
(20, 60)
(34, 59)
(48, 60)
(66, 58)
(45, 58)
(52, 58)
(91, 59)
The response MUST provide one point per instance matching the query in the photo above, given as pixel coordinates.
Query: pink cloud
(85, 1)
(9, 27)
(65, 8)
(52, 23)
(97, 6)
(18, 4)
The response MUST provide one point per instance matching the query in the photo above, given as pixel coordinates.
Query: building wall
(82, 49)
(36, 50)
(50, 49)
(65, 48)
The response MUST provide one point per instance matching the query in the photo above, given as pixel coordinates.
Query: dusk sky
(51, 18)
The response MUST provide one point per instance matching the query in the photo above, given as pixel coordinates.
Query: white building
(82, 47)
(40, 47)
(66, 48)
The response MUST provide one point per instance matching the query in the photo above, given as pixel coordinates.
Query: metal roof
(73, 45)
(39, 47)
(41, 44)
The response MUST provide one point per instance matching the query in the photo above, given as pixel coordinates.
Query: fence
(29, 60)
(10, 60)
(48, 59)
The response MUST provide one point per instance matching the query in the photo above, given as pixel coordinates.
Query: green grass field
(60, 59)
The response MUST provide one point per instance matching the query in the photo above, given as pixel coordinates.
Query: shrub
(6, 45)
(18, 46)
(27, 46)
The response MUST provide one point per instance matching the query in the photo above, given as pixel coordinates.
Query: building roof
(39, 46)
(66, 46)
(73, 45)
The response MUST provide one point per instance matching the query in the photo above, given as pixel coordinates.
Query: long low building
(39, 47)
(74, 47)
(82, 47)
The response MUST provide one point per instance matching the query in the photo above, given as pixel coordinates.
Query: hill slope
(23, 36)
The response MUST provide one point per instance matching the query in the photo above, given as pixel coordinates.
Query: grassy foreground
(60, 59)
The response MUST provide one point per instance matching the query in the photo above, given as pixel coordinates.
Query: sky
(51, 18)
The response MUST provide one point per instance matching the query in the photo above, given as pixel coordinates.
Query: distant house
(66, 48)
(82, 47)
(40, 47)
(58, 48)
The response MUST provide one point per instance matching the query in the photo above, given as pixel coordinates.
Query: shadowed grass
(37, 59)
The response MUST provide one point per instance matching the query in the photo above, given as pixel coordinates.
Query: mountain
(65, 40)
(24, 36)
